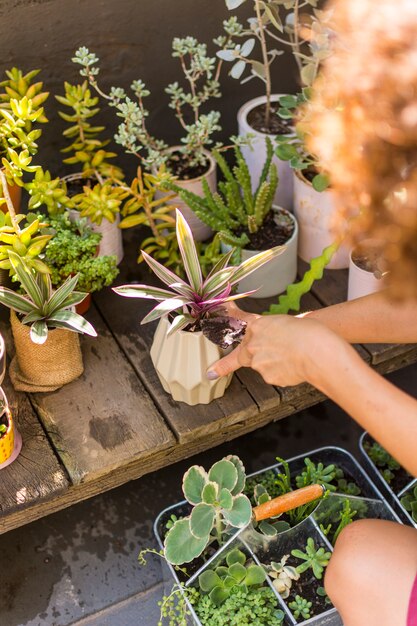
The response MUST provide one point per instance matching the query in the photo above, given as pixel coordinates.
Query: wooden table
(115, 423)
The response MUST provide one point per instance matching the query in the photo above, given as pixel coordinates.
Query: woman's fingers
(230, 363)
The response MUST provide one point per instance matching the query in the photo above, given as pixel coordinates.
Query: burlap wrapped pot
(45, 367)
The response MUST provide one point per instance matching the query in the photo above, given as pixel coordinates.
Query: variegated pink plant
(199, 299)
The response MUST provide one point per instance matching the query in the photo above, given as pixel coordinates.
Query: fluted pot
(256, 154)
(314, 211)
(200, 231)
(181, 362)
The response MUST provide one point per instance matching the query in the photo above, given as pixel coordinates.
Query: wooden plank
(36, 476)
(104, 419)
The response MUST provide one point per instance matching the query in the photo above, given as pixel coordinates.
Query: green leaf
(58, 298)
(225, 499)
(241, 474)
(39, 332)
(162, 272)
(180, 544)
(202, 519)
(219, 595)
(241, 512)
(234, 4)
(255, 575)
(238, 69)
(255, 262)
(237, 571)
(188, 252)
(226, 55)
(26, 278)
(193, 484)
(208, 580)
(71, 321)
(247, 47)
(224, 474)
(209, 493)
(143, 291)
(235, 556)
(179, 322)
(267, 529)
(163, 308)
(286, 151)
(320, 182)
(15, 301)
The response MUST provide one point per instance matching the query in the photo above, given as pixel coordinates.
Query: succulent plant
(28, 242)
(318, 473)
(300, 607)
(218, 505)
(317, 560)
(41, 307)
(48, 191)
(102, 201)
(409, 502)
(282, 575)
(18, 86)
(197, 301)
(235, 208)
(225, 580)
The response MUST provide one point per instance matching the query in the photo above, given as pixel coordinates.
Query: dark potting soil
(306, 587)
(76, 186)
(277, 126)
(369, 260)
(4, 421)
(177, 164)
(276, 230)
(401, 477)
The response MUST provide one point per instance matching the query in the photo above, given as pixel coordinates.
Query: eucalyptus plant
(234, 208)
(41, 307)
(218, 506)
(201, 80)
(196, 301)
(277, 22)
(225, 580)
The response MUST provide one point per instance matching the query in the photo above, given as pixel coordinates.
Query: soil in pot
(306, 587)
(76, 185)
(368, 260)
(277, 126)
(277, 229)
(177, 164)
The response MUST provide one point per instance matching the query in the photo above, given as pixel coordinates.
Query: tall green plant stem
(219, 528)
(9, 202)
(265, 63)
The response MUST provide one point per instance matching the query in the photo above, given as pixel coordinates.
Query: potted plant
(10, 439)
(272, 23)
(21, 102)
(211, 555)
(191, 313)
(74, 250)
(366, 269)
(45, 329)
(190, 162)
(92, 191)
(250, 221)
(314, 204)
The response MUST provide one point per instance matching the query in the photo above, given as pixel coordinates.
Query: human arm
(287, 351)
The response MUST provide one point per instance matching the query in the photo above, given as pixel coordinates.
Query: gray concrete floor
(79, 566)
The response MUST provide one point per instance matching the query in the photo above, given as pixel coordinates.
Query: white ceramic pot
(273, 277)
(361, 282)
(111, 242)
(256, 155)
(181, 362)
(314, 211)
(200, 231)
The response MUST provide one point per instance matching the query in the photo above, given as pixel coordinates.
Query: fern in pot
(45, 329)
(194, 329)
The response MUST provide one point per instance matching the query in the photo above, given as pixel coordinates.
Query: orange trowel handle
(288, 501)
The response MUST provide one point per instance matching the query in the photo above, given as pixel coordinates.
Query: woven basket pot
(45, 367)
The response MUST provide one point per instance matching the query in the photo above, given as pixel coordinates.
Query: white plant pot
(273, 277)
(255, 156)
(200, 231)
(314, 211)
(362, 283)
(111, 242)
(181, 362)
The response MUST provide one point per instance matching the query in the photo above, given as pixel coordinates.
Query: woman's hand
(283, 349)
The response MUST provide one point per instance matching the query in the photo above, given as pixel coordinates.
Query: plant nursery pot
(275, 276)
(181, 362)
(45, 367)
(314, 211)
(401, 483)
(111, 242)
(362, 282)
(11, 441)
(84, 306)
(255, 156)
(264, 549)
(200, 231)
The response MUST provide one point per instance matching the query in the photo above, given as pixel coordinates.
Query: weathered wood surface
(115, 423)
(104, 419)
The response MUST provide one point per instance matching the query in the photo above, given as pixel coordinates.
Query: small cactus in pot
(194, 328)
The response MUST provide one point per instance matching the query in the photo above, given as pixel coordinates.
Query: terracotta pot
(314, 211)
(200, 231)
(181, 362)
(11, 441)
(84, 306)
(274, 277)
(255, 156)
(361, 282)
(16, 197)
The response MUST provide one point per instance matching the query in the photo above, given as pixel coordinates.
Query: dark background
(133, 39)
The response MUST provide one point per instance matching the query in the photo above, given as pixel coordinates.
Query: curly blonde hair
(364, 122)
